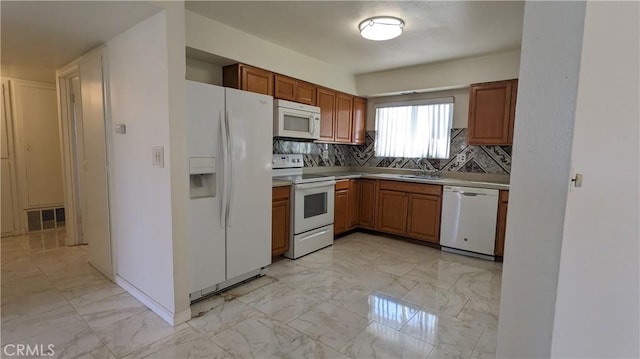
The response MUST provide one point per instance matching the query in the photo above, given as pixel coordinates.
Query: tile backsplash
(479, 159)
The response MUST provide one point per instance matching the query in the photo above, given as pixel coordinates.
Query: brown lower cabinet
(409, 209)
(353, 218)
(367, 207)
(423, 222)
(341, 207)
(347, 205)
(501, 224)
(280, 220)
(392, 212)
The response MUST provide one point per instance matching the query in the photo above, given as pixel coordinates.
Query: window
(418, 129)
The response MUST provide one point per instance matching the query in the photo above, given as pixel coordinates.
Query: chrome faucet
(435, 173)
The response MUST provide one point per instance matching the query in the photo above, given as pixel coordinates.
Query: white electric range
(313, 198)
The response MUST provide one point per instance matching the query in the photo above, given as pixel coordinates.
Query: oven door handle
(315, 185)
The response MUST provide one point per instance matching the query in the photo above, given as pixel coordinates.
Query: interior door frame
(66, 124)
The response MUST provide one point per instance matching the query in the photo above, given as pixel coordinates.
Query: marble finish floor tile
(379, 341)
(186, 343)
(262, 337)
(437, 300)
(126, 335)
(223, 316)
(385, 309)
(442, 330)
(367, 296)
(330, 325)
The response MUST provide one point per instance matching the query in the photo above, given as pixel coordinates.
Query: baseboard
(167, 315)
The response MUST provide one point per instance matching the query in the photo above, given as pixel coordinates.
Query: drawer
(432, 189)
(280, 193)
(343, 184)
(504, 196)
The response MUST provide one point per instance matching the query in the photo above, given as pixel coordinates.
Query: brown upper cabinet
(335, 116)
(492, 113)
(342, 116)
(359, 120)
(248, 78)
(288, 88)
(326, 100)
(344, 106)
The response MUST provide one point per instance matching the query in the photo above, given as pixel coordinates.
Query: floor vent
(45, 218)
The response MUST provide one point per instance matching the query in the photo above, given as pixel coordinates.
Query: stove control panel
(287, 161)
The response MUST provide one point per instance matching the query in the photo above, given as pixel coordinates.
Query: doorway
(83, 123)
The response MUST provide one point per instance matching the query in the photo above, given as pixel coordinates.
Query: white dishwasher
(468, 224)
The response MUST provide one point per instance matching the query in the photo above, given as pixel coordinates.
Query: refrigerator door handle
(223, 203)
(231, 168)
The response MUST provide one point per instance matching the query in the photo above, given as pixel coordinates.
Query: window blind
(417, 130)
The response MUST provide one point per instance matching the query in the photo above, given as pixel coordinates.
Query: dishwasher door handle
(470, 194)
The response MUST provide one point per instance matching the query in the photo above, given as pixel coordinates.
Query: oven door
(313, 206)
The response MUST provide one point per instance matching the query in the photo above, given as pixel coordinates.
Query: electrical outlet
(325, 154)
(461, 157)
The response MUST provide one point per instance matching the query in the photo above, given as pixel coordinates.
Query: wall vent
(45, 218)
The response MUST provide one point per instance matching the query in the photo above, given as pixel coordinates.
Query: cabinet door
(392, 212)
(285, 88)
(359, 120)
(327, 103)
(306, 93)
(344, 105)
(490, 113)
(256, 80)
(280, 221)
(423, 222)
(512, 118)
(367, 206)
(502, 227)
(341, 208)
(354, 204)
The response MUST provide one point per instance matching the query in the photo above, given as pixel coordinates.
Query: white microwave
(295, 120)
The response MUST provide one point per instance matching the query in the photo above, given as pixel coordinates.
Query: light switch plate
(461, 157)
(157, 153)
(121, 128)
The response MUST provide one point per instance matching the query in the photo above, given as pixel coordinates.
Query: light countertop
(444, 181)
(280, 183)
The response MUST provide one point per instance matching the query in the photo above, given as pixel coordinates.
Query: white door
(93, 188)
(597, 305)
(36, 115)
(250, 118)
(205, 225)
(7, 173)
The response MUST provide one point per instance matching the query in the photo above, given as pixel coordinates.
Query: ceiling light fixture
(380, 28)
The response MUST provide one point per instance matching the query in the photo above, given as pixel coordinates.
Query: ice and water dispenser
(202, 177)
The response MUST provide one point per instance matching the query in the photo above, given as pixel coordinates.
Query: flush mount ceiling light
(380, 28)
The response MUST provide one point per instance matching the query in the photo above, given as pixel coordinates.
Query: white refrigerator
(229, 144)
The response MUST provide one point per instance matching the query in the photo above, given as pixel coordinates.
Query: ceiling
(42, 36)
(327, 30)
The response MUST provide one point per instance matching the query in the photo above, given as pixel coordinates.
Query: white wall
(29, 73)
(216, 38)
(597, 310)
(141, 195)
(175, 15)
(551, 45)
(460, 107)
(441, 75)
(202, 71)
